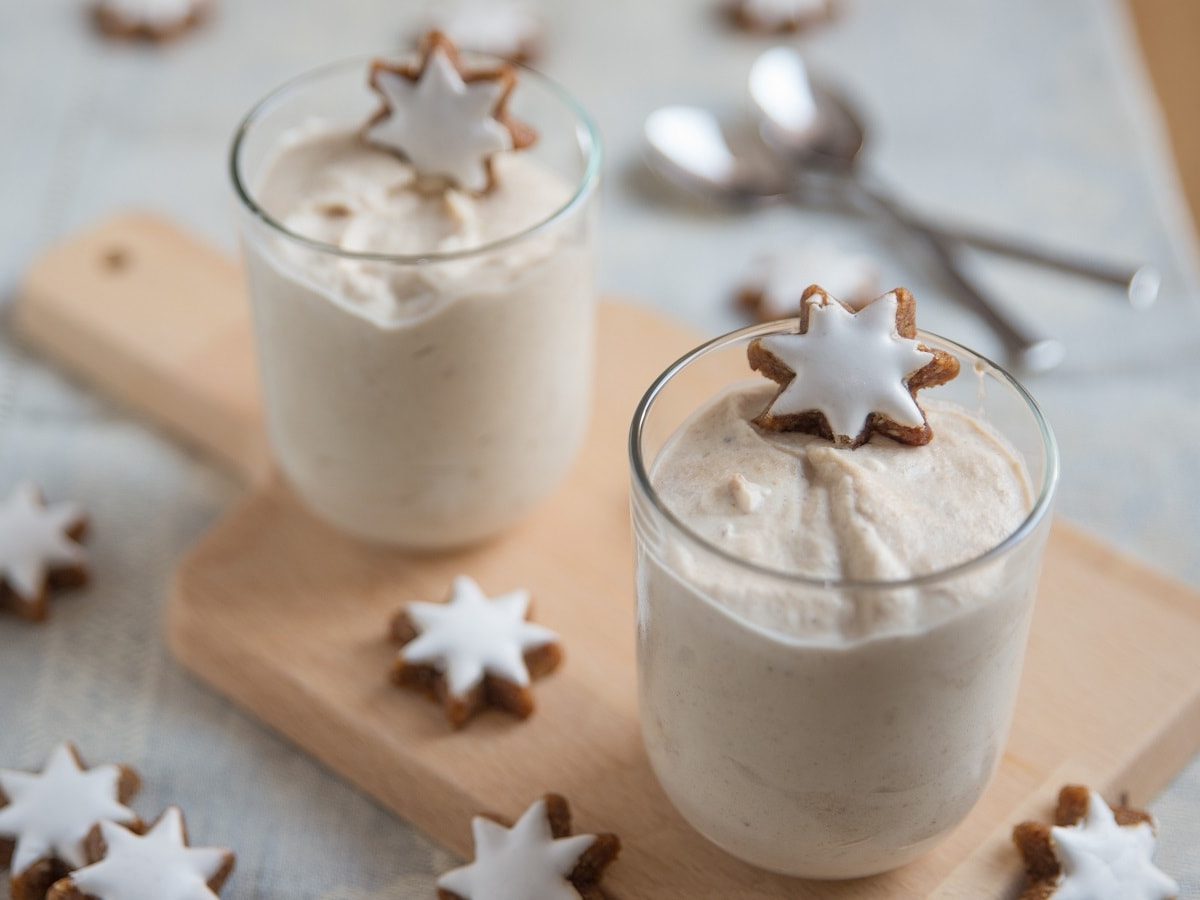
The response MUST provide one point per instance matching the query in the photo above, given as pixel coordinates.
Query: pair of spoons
(815, 139)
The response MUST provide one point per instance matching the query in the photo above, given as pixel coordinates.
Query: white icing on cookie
(782, 278)
(50, 814)
(1102, 860)
(848, 366)
(441, 124)
(33, 540)
(470, 636)
(747, 495)
(524, 862)
(152, 13)
(497, 27)
(777, 15)
(158, 866)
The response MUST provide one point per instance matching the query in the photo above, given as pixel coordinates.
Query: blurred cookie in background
(506, 28)
(774, 282)
(779, 16)
(150, 20)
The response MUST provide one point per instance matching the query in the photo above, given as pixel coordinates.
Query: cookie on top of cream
(446, 120)
(845, 374)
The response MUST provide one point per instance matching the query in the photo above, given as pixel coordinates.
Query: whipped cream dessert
(814, 729)
(426, 403)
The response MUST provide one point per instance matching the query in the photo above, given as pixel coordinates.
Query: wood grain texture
(159, 321)
(1169, 31)
(289, 619)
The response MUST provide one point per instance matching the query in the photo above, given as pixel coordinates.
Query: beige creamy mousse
(426, 404)
(830, 732)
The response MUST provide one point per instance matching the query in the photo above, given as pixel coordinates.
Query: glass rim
(1028, 526)
(593, 149)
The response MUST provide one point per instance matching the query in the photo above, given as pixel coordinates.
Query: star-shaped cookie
(509, 29)
(149, 20)
(1093, 852)
(775, 282)
(447, 121)
(45, 818)
(846, 374)
(471, 652)
(159, 865)
(779, 16)
(535, 858)
(39, 549)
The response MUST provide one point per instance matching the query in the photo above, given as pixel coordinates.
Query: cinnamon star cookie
(471, 651)
(536, 858)
(446, 120)
(45, 818)
(39, 550)
(1093, 852)
(845, 374)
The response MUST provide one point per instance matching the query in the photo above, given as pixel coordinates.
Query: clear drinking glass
(445, 425)
(827, 759)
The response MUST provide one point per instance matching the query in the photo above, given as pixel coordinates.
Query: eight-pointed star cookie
(39, 549)
(846, 374)
(775, 282)
(1093, 852)
(45, 818)
(149, 20)
(779, 16)
(447, 121)
(159, 865)
(471, 652)
(535, 858)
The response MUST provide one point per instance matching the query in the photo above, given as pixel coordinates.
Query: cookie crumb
(747, 496)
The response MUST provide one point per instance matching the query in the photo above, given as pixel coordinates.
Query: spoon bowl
(802, 116)
(688, 146)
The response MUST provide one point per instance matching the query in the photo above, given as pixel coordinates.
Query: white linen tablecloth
(1030, 115)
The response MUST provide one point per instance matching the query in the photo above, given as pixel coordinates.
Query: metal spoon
(817, 127)
(688, 147)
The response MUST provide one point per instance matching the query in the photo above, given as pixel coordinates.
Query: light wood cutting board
(288, 619)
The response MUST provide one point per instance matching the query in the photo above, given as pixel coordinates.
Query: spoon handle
(1032, 351)
(1140, 283)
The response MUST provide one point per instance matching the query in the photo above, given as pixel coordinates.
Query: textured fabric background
(1031, 115)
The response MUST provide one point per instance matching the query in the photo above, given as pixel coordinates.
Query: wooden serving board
(288, 618)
